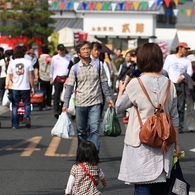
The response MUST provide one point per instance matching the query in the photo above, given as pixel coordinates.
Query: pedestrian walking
(20, 73)
(42, 75)
(179, 67)
(58, 75)
(85, 173)
(143, 165)
(90, 81)
(190, 117)
(95, 56)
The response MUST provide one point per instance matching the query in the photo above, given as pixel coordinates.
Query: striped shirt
(89, 90)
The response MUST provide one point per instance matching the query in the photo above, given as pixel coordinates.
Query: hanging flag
(91, 6)
(56, 4)
(184, 1)
(176, 2)
(128, 5)
(106, 6)
(136, 5)
(121, 6)
(143, 4)
(50, 2)
(188, 12)
(181, 11)
(69, 5)
(169, 11)
(62, 4)
(150, 3)
(113, 5)
(98, 6)
(175, 11)
(158, 2)
(167, 2)
(76, 5)
(84, 6)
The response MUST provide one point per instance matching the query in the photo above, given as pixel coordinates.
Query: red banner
(164, 49)
(80, 36)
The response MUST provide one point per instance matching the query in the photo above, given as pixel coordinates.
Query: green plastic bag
(111, 123)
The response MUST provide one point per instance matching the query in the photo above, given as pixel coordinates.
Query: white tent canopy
(169, 36)
(66, 36)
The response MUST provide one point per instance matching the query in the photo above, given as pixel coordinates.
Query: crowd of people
(91, 75)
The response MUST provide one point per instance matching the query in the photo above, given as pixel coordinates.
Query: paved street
(32, 162)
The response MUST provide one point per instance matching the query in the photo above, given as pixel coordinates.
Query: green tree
(30, 18)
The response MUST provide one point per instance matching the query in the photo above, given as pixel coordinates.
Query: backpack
(44, 67)
(158, 130)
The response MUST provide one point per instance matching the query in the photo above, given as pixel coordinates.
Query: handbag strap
(87, 173)
(146, 93)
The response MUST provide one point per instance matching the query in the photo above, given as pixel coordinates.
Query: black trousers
(57, 102)
(47, 88)
(180, 102)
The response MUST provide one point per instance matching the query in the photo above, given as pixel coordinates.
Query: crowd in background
(95, 78)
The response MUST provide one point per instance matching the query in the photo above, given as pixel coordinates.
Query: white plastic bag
(6, 101)
(63, 94)
(63, 127)
(71, 108)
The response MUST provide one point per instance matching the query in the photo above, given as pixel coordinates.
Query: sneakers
(27, 122)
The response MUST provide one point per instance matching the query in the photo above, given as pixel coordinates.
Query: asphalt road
(32, 162)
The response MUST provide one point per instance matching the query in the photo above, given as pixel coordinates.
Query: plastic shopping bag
(6, 101)
(111, 123)
(63, 94)
(71, 108)
(63, 127)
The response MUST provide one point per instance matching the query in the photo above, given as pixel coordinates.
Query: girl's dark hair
(150, 58)
(80, 44)
(87, 152)
(19, 52)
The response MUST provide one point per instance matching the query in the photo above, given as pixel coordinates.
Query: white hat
(191, 57)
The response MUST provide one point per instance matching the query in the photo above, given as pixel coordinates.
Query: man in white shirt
(176, 65)
(58, 74)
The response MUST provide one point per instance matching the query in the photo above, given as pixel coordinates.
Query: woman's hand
(122, 87)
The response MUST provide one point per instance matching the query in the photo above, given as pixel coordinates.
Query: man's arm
(31, 79)
(51, 71)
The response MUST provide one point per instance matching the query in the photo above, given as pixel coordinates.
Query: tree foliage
(30, 18)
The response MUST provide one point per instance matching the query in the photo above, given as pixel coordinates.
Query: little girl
(85, 173)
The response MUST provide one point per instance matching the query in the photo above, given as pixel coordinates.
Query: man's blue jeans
(19, 95)
(88, 117)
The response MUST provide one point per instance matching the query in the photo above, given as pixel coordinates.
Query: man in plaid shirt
(90, 82)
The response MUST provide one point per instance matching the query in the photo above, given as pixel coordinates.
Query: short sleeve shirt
(20, 68)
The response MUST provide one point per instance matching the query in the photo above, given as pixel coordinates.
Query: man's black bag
(176, 185)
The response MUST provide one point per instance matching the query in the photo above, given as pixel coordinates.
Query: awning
(169, 36)
(68, 22)
(188, 37)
